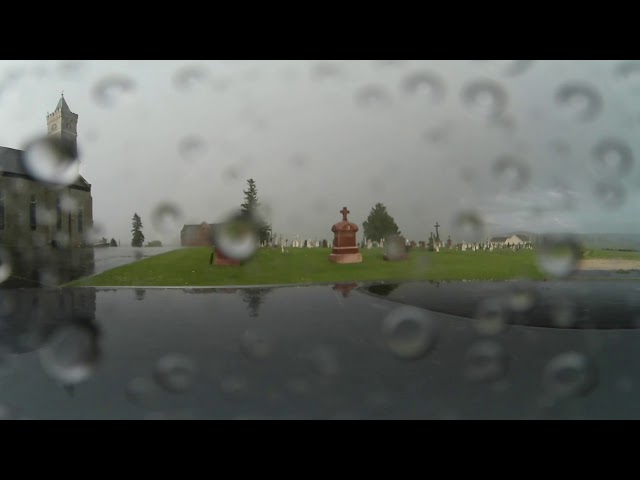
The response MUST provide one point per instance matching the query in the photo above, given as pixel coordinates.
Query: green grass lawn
(607, 254)
(190, 267)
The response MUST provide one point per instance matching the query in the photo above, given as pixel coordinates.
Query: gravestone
(369, 244)
(345, 249)
(449, 242)
(395, 249)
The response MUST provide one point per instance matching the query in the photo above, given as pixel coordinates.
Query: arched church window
(80, 221)
(32, 212)
(58, 214)
(2, 199)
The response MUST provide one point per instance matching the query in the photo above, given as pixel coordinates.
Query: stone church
(36, 214)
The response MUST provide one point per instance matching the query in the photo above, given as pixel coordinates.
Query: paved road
(112, 257)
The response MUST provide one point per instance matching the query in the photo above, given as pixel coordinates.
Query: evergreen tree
(380, 224)
(113, 242)
(136, 230)
(249, 210)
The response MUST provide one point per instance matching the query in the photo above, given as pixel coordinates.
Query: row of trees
(379, 223)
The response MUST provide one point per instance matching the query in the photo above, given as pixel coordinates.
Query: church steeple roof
(62, 105)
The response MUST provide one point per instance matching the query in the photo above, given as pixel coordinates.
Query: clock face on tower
(54, 126)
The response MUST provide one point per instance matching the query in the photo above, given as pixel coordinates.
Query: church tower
(62, 124)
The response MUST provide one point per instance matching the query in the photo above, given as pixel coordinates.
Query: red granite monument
(345, 249)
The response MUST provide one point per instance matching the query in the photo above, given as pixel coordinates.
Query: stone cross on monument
(344, 213)
(437, 225)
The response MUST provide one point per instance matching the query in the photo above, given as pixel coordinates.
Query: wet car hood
(299, 352)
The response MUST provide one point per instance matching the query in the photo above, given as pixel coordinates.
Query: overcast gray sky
(319, 135)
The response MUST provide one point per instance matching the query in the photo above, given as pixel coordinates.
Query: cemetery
(340, 260)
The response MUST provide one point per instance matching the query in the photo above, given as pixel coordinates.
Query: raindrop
(373, 97)
(52, 160)
(409, 332)
(613, 157)
(192, 148)
(68, 204)
(511, 173)
(628, 69)
(610, 195)
(70, 355)
(233, 384)
(141, 391)
(487, 97)
(237, 239)
(468, 227)
(256, 344)
(438, 135)
(558, 257)
(570, 374)
(190, 76)
(175, 373)
(325, 70)
(325, 361)
(584, 100)
(5, 265)
(491, 316)
(487, 361)
(232, 172)
(390, 63)
(424, 84)
(167, 218)
(522, 298)
(563, 313)
(109, 90)
(518, 67)
(298, 386)
(299, 160)
(5, 413)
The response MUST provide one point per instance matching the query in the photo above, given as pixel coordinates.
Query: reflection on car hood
(292, 352)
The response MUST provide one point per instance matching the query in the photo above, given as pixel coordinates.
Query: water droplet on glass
(190, 76)
(373, 97)
(468, 226)
(610, 195)
(70, 355)
(175, 373)
(256, 344)
(583, 100)
(558, 257)
(613, 157)
(325, 70)
(409, 332)
(5, 413)
(142, 391)
(628, 69)
(491, 316)
(486, 361)
(563, 313)
(424, 84)
(167, 218)
(192, 148)
(511, 173)
(110, 90)
(299, 160)
(234, 384)
(438, 135)
(522, 299)
(237, 239)
(487, 97)
(570, 374)
(325, 361)
(5, 265)
(518, 67)
(52, 160)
